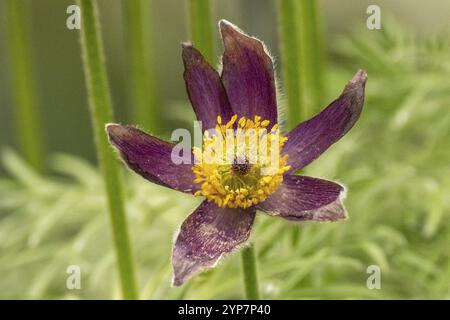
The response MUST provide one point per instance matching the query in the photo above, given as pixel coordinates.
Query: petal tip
(183, 268)
(358, 81)
(334, 211)
(206, 236)
(354, 90)
(189, 53)
(311, 138)
(110, 126)
(360, 76)
(176, 281)
(225, 25)
(229, 30)
(186, 44)
(115, 130)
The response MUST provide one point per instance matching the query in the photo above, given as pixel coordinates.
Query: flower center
(240, 162)
(241, 168)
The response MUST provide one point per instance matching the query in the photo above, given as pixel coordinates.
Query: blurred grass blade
(311, 56)
(200, 23)
(101, 113)
(23, 87)
(142, 91)
(302, 58)
(290, 57)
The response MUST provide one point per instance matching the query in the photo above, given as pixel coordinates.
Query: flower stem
(250, 273)
(142, 84)
(101, 113)
(290, 57)
(200, 20)
(311, 55)
(24, 94)
(302, 58)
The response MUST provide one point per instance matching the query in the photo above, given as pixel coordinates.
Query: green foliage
(26, 109)
(394, 163)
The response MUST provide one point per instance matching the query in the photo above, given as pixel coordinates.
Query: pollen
(239, 163)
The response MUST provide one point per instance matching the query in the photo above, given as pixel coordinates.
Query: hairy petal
(205, 89)
(311, 138)
(206, 235)
(247, 75)
(301, 198)
(151, 158)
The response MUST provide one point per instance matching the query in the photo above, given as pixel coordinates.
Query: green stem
(302, 58)
(250, 273)
(290, 58)
(142, 85)
(311, 56)
(23, 87)
(201, 33)
(101, 113)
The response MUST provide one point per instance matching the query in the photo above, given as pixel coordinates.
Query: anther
(241, 167)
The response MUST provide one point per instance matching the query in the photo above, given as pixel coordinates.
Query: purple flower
(241, 97)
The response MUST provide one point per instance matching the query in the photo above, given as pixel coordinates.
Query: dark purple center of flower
(241, 167)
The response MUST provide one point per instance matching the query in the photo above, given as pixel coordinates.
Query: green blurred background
(395, 162)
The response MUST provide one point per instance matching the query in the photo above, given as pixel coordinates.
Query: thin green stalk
(201, 33)
(311, 56)
(101, 113)
(142, 84)
(250, 273)
(302, 58)
(290, 58)
(23, 87)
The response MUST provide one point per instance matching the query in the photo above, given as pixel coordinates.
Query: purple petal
(302, 198)
(311, 138)
(151, 158)
(206, 235)
(248, 75)
(205, 89)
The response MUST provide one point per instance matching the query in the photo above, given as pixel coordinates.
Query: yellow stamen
(243, 169)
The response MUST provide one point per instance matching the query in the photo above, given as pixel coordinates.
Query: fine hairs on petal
(111, 125)
(248, 74)
(311, 138)
(204, 87)
(302, 198)
(281, 106)
(112, 129)
(281, 99)
(339, 201)
(206, 236)
(221, 259)
(224, 22)
(141, 151)
(174, 239)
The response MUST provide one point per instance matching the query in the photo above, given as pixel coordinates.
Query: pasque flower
(241, 97)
